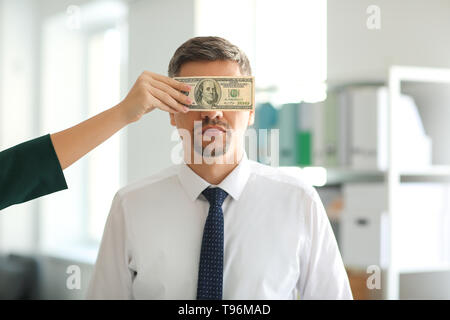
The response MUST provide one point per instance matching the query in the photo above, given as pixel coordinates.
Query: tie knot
(215, 196)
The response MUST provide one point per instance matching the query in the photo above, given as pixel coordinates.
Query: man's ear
(251, 117)
(172, 119)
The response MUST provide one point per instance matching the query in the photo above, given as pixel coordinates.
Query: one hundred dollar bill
(221, 93)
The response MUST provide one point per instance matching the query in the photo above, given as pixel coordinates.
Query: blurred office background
(327, 77)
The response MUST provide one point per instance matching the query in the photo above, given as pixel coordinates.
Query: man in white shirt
(236, 230)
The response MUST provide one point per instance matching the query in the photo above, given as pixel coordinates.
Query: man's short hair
(208, 49)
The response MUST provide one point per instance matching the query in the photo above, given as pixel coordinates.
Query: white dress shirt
(278, 242)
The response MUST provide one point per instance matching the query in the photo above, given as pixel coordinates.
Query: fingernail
(186, 109)
(189, 100)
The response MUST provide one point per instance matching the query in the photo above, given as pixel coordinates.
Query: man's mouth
(213, 130)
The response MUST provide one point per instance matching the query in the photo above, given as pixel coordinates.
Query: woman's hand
(151, 91)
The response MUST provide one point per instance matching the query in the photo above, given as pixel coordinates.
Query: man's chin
(209, 153)
(214, 154)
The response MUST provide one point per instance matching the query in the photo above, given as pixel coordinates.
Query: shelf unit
(338, 176)
(393, 177)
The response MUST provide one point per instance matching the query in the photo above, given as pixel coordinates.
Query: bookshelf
(394, 175)
(392, 180)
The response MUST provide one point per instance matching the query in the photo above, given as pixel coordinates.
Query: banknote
(221, 93)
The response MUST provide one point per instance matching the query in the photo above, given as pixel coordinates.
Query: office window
(81, 76)
(103, 91)
(285, 41)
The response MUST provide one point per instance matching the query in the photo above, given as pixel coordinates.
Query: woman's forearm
(73, 143)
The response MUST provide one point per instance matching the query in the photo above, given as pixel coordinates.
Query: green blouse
(28, 171)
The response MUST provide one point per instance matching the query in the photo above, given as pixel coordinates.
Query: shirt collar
(233, 184)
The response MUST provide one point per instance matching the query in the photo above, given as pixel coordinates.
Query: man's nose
(213, 114)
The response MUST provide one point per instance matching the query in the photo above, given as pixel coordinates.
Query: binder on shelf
(295, 123)
(266, 117)
(351, 130)
(368, 107)
(304, 134)
(288, 116)
(328, 138)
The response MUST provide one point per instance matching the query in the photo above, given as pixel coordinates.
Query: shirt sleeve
(322, 274)
(28, 171)
(114, 272)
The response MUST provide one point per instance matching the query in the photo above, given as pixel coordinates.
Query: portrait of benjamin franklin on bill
(207, 93)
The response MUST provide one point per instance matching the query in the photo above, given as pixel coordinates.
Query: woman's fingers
(164, 107)
(180, 97)
(169, 81)
(168, 95)
(166, 101)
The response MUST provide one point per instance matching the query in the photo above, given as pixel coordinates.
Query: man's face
(209, 91)
(228, 126)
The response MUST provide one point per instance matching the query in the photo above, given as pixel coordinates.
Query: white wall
(156, 29)
(413, 32)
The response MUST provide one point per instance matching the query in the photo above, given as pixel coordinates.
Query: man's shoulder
(151, 182)
(282, 177)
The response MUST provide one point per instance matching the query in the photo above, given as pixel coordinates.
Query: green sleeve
(28, 171)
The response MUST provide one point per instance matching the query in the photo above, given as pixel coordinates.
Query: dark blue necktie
(210, 272)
